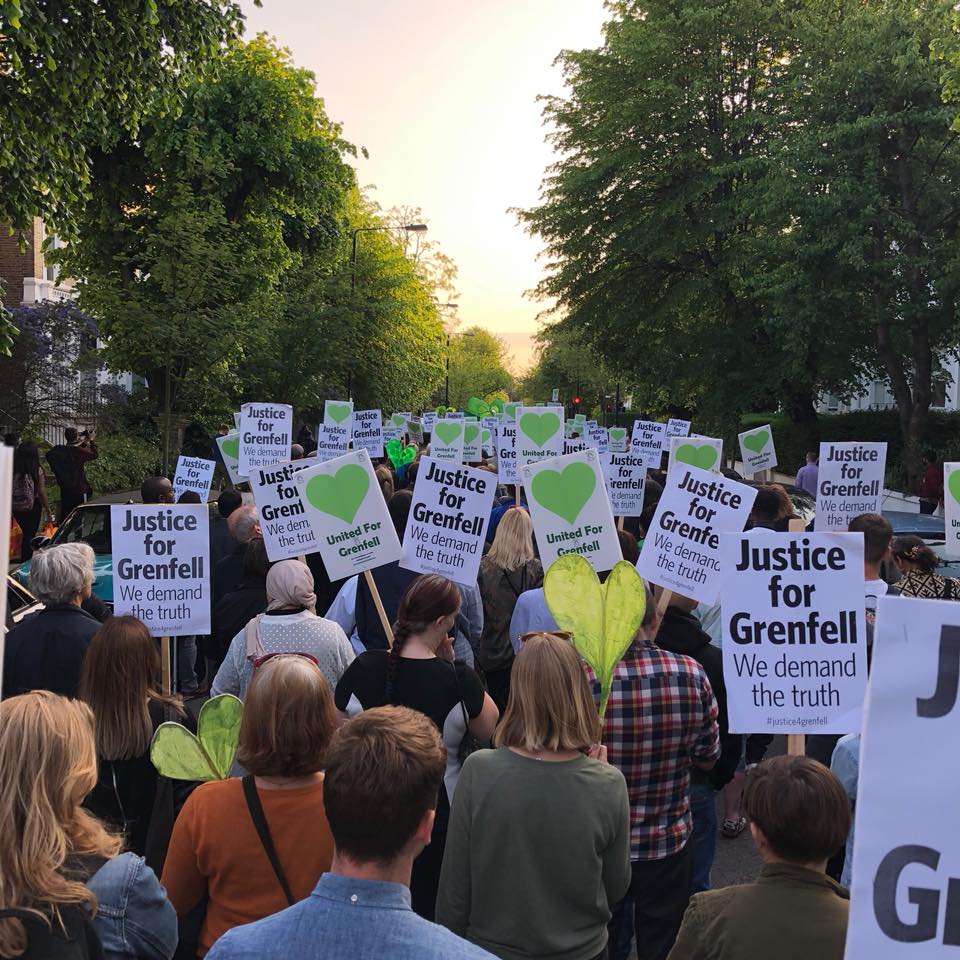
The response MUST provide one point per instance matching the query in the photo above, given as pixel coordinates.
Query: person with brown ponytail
(420, 672)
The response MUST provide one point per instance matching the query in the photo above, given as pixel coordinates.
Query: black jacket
(231, 614)
(391, 580)
(45, 651)
(681, 633)
(228, 573)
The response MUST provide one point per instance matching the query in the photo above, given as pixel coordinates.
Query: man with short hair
(382, 775)
(808, 474)
(68, 462)
(157, 490)
(243, 525)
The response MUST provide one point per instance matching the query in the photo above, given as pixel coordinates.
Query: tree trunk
(802, 412)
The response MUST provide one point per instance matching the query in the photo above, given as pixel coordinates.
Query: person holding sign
(420, 672)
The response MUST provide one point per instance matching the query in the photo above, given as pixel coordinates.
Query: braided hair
(426, 599)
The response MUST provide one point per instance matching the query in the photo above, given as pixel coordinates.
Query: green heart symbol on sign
(540, 427)
(338, 411)
(756, 441)
(478, 407)
(470, 434)
(510, 409)
(617, 433)
(339, 494)
(448, 431)
(703, 457)
(398, 420)
(231, 447)
(565, 492)
(953, 482)
(208, 755)
(485, 438)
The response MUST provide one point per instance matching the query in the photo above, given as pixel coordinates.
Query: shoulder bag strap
(263, 831)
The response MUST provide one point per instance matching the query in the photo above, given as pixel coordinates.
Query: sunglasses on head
(559, 634)
(260, 661)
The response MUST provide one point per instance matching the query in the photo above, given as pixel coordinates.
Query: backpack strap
(263, 831)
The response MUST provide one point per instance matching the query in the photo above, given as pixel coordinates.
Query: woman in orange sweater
(217, 850)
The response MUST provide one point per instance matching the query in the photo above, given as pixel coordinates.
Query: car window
(17, 597)
(91, 525)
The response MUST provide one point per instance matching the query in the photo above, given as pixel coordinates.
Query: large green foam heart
(539, 427)
(338, 412)
(339, 494)
(603, 618)
(496, 407)
(231, 447)
(703, 457)
(757, 441)
(447, 431)
(478, 407)
(953, 484)
(565, 492)
(208, 755)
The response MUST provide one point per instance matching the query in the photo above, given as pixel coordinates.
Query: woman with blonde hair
(385, 478)
(541, 821)
(256, 845)
(61, 877)
(120, 682)
(509, 569)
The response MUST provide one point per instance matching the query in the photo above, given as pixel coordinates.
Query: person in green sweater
(538, 847)
(799, 816)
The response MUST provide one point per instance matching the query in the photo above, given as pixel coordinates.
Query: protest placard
(332, 441)
(415, 431)
(757, 451)
(236, 422)
(446, 441)
(794, 635)
(161, 566)
(194, 473)
(454, 415)
(676, 428)
(428, 419)
(682, 547)
(575, 446)
(539, 433)
(570, 510)
(338, 413)
(596, 437)
(266, 435)
(472, 441)
(905, 895)
(510, 410)
(448, 520)
(618, 440)
(508, 470)
(951, 509)
(625, 475)
(392, 433)
(367, 432)
(704, 453)
(646, 441)
(6, 499)
(287, 533)
(229, 447)
(348, 514)
(488, 440)
(850, 482)
(399, 420)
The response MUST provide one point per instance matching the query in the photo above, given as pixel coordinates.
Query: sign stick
(662, 603)
(620, 520)
(516, 494)
(378, 603)
(796, 744)
(796, 526)
(166, 682)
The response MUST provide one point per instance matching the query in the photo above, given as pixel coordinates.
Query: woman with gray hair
(45, 650)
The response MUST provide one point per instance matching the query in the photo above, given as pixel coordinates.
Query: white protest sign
(266, 435)
(454, 415)
(756, 449)
(161, 566)
(794, 634)
(682, 547)
(575, 446)
(554, 394)
(539, 433)
(618, 440)
(625, 475)
(367, 432)
(596, 437)
(488, 435)
(704, 453)
(570, 510)
(332, 441)
(646, 441)
(236, 422)
(399, 420)
(6, 499)
(194, 473)
(951, 509)
(677, 428)
(507, 466)
(428, 419)
(415, 431)
(392, 433)
(287, 534)
(348, 514)
(448, 520)
(905, 896)
(229, 447)
(446, 441)
(849, 483)
(338, 413)
(510, 410)
(472, 442)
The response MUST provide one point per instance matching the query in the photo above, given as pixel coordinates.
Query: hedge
(123, 464)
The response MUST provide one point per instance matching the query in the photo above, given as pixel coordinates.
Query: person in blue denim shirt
(383, 774)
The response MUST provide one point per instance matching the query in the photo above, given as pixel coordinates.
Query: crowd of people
(447, 791)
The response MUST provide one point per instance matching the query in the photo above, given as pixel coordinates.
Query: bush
(123, 464)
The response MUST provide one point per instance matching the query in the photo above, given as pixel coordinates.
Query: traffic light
(576, 402)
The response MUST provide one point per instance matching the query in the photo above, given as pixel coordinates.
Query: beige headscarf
(289, 585)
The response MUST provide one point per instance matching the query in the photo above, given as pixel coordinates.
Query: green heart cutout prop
(448, 431)
(179, 754)
(398, 420)
(565, 492)
(392, 449)
(703, 457)
(539, 427)
(603, 618)
(231, 447)
(485, 438)
(339, 494)
(338, 412)
(470, 434)
(757, 441)
(478, 407)
(496, 407)
(953, 483)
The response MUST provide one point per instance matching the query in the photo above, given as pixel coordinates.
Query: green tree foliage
(478, 366)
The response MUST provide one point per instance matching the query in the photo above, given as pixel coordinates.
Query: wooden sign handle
(378, 603)
(516, 494)
(796, 526)
(166, 674)
(796, 744)
(620, 520)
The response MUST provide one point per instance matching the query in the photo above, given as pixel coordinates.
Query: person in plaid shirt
(661, 720)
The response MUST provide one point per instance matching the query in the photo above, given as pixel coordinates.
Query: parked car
(20, 602)
(804, 506)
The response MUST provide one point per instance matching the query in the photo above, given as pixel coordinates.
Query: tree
(478, 362)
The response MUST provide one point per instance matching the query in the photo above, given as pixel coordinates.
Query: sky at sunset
(442, 93)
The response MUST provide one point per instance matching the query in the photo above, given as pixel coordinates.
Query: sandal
(733, 828)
